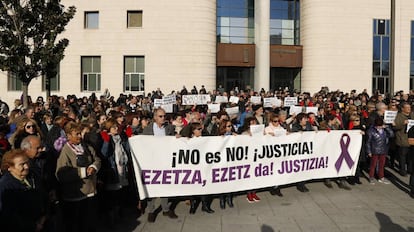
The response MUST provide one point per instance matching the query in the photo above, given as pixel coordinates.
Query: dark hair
(300, 116)
(378, 121)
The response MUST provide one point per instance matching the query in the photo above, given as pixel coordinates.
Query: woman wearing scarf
(76, 171)
(114, 173)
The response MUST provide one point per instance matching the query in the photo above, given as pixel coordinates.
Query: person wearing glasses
(196, 130)
(159, 127)
(275, 129)
(25, 128)
(226, 128)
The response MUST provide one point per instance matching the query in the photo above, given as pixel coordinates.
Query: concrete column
(262, 40)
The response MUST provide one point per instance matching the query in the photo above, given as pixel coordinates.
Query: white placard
(290, 101)
(170, 99)
(168, 108)
(200, 99)
(234, 99)
(389, 116)
(271, 102)
(410, 124)
(232, 110)
(312, 109)
(157, 103)
(295, 109)
(257, 130)
(214, 108)
(257, 100)
(279, 132)
(221, 99)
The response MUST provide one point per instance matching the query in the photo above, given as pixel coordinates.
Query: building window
(13, 83)
(54, 82)
(235, 21)
(91, 73)
(134, 19)
(412, 57)
(381, 56)
(284, 22)
(91, 19)
(134, 73)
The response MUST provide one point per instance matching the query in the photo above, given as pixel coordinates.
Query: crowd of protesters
(71, 155)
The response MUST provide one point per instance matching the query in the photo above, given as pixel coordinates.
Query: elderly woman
(76, 171)
(21, 202)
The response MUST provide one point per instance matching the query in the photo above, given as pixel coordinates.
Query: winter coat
(378, 143)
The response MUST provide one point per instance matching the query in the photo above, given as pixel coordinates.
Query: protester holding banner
(301, 124)
(245, 130)
(196, 129)
(275, 129)
(159, 127)
(226, 128)
(332, 123)
(355, 121)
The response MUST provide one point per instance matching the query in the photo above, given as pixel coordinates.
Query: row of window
(134, 75)
(235, 21)
(134, 19)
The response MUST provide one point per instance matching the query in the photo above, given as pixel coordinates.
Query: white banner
(257, 100)
(410, 124)
(221, 99)
(157, 102)
(201, 99)
(295, 109)
(232, 110)
(217, 164)
(290, 101)
(312, 109)
(214, 108)
(170, 99)
(234, 99)
(271, 102)
(389, 116)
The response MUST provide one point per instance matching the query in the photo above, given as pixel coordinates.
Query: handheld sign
(257, 100)
(389, 116)
(290, 101)
(221, 99)
(214, 108)
(234, 99)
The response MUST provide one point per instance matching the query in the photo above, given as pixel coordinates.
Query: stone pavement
(379, 207)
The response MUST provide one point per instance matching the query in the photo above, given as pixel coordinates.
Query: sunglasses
(276, 121)
(228, 126)
(161, 116)
(29, 126)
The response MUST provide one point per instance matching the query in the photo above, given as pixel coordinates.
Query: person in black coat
(21, 204)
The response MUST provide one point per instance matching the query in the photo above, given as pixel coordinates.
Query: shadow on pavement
(387, 225)
(266, 228)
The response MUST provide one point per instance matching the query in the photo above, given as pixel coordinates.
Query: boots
(206, 207)
(222, 202)
(229, 200)
(193, 206)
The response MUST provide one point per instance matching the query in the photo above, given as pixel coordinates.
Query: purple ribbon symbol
(345, 140)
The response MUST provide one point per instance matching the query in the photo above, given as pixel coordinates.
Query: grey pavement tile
(241, 227)
(316, 223)
(358, 227)
(190, 227)
(204, 219)
(239, 219)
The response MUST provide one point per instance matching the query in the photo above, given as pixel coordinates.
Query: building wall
(337, 43)
(177, 38)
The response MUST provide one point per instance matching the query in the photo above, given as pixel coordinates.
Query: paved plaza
(379, 207)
